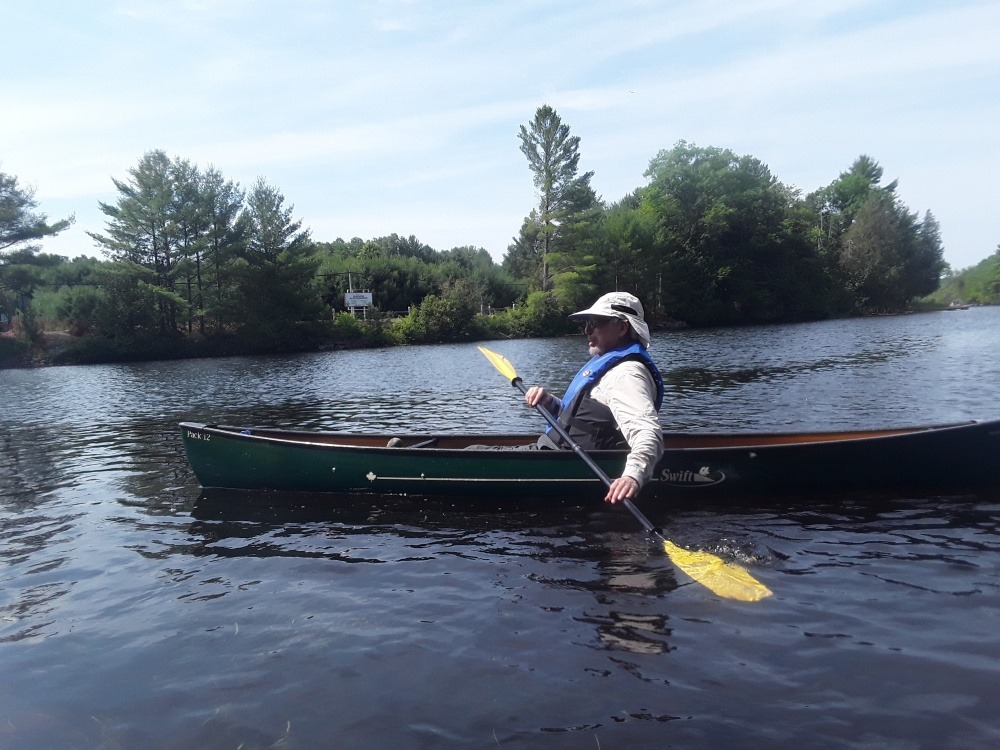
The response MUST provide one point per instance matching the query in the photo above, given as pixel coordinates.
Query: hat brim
(597, 311)
(636, 323)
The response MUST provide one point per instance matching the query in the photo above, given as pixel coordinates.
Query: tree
(837, 204)
(403, 272)
(872, 255)
(225, 236)
(559, 224)
(180, 224)
(20, 223)
(21, 226)
(925, 264)
(886, 257)
(729, 248)
(630, 257)
(142, 228)
(271, 230)
(126, 311)
(277, 273)
(190, 213)
(979, 284)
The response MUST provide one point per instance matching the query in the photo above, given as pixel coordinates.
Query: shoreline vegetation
(61, 348)
(197, 266)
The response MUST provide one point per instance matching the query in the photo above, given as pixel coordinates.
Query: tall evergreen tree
(884, 256)
(225, 235)
(558, 225)
(190, 214)
(142, 229)
(276, 279)
(926, 263)
(21, 227)
(872, 255)
(174, 230)
(20, 223)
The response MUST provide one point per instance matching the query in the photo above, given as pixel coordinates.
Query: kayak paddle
(723, 578)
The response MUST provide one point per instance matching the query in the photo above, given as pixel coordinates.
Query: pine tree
(564, 199)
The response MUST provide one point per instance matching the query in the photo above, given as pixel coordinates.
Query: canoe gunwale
(674, 441)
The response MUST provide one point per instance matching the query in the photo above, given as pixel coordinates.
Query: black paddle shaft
(598, 471)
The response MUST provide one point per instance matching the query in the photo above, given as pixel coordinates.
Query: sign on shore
(357, 299)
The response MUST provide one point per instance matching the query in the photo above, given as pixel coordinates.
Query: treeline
(715, 239)
(978, 285)
(197, 265)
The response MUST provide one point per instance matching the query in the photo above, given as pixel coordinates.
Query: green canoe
(933, 458)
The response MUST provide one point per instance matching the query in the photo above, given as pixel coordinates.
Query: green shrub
(13, 353)
(346, 328)
(438, 320)
(73, 307)
(26, 321)
(541, 315)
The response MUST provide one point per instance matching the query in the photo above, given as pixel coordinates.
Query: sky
(401, 116)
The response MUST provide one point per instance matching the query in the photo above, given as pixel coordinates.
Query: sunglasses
(594, 323)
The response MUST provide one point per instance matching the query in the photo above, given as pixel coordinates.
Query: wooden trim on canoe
(672, 440)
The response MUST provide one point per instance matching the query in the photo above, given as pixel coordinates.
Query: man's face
(605, 334)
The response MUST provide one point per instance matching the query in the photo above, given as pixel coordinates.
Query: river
(138, 612)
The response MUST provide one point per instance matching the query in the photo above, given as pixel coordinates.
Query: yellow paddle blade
(725, 579)
(501, 363)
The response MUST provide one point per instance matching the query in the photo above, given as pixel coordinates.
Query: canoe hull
(943, 458)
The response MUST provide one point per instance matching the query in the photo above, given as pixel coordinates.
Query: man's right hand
(536, 395)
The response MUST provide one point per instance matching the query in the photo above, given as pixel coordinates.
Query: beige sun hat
(623, 306)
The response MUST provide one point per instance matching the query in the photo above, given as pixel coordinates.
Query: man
(612, 402)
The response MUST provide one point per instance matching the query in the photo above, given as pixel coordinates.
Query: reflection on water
(138, 611)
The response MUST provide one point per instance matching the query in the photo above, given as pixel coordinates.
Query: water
(137, 612)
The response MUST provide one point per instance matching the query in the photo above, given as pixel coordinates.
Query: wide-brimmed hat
(623, 306)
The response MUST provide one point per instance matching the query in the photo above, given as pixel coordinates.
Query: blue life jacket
(589, 422)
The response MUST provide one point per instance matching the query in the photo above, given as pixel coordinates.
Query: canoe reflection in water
(597, 554)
